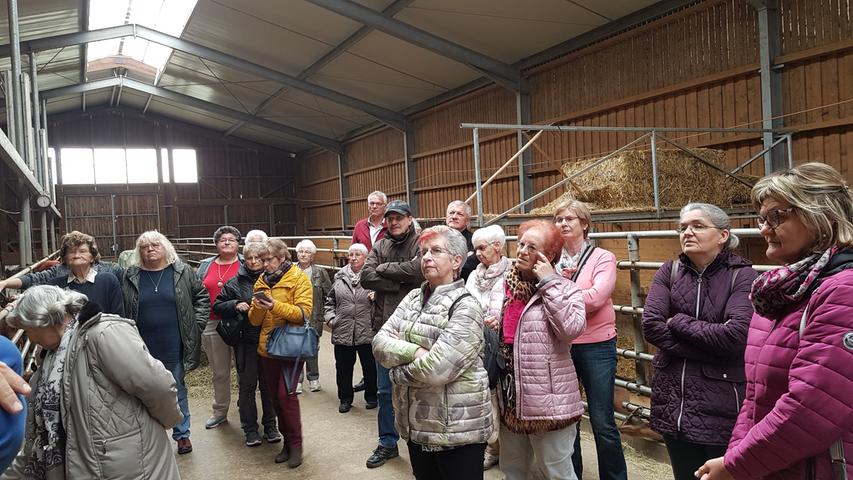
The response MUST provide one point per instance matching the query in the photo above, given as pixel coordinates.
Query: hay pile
(624, 182)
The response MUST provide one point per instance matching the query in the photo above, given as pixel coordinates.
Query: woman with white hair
(321, 285)
(171, 308)
(486, 284)
(100, 402)
(349, 312)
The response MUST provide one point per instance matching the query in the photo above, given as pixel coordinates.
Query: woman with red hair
(538, 393)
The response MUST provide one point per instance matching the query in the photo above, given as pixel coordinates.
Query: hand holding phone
(261, 295)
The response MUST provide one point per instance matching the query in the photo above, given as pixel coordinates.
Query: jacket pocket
(734, 374)
(120, 457)
(660, 360)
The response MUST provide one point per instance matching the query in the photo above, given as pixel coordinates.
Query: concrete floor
(336, 445)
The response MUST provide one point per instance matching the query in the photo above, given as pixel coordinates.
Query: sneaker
(283, 455)
(490, 460)
(272, 435)
(214, 422)
(184, 446)
(371, 405)
(382, 455)
(299, 388)
(295, 459)
(253, 439)
(314, 385)
(358, 387)
(344, 407)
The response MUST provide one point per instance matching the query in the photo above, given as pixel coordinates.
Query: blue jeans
(181, 430)
(388, 435)
(596, 367)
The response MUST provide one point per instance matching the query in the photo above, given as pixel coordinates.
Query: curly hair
(75, 239)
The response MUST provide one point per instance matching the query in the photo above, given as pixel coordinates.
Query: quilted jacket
(348, 310)
(320, 287)
(392, 269)
(699, 326)
(442, 398)
(799, 395)
(117, 401)
(292, 298)
(546, 384)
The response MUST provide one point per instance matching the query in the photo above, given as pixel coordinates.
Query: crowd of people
(473, 358)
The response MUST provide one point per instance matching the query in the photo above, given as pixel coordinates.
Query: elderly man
(370, 230)
(392, 270)
(459, 217)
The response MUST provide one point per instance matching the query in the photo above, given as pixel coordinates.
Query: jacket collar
(725, 259)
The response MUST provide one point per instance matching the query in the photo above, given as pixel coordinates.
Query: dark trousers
(344, 363)
(686, 457)
(286, 402)
(250, 380)
(464, 463)
(595, 364)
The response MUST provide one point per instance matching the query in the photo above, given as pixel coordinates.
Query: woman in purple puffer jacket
(697, 317)
(797, 418)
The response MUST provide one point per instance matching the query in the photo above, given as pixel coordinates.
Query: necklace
(156, 285)
(220, 275)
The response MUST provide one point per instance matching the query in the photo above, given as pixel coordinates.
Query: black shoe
(382, 455)
(184, 446)
(295, 459)
(283, 455)
(358, 387)
(344, 407)
(371, 405)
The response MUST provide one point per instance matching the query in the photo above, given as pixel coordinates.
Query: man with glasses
(370, 230)
(392, 270)
(458, 217)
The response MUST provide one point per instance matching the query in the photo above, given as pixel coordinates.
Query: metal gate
(114, 220)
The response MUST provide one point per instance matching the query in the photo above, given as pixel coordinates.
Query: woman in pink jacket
(538, 392)
(594, 352)
(797, 418)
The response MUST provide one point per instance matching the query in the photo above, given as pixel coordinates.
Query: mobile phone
(260, 295)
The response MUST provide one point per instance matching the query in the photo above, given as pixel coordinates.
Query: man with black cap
(392, 269)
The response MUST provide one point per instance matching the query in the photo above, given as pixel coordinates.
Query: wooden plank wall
(695, 68)
(374, 162)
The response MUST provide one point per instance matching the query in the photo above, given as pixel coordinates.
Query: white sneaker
(314, 385)
(299, 388)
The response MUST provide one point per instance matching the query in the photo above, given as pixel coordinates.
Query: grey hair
(358, 246)
(379, 194)
(45, 306)
(490, 234)
(253, 247)
(456, 244)
(256, 233)
(226, 229)
(154, 236)
(306, 245)
(717, 217)
(454, 203)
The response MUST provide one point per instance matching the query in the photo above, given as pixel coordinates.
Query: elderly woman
(233, 303)
(431, 345)
(214, 272)
(797, 419)
(697, 314)
(349, 310)
(171, 308)
(489, 276)
(79, 253)
(100, 402)
(593, 269)
(539, 397)
(283, 295)
(321, 285)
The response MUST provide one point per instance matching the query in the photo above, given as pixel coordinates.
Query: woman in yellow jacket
(282, 295)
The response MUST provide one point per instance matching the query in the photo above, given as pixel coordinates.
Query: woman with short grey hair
(98, 395)
(716, 217)
(321, 285)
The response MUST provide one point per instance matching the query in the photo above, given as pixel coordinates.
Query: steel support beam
(525, 161)
(411, 173)
(320, 141)
(770, 47)
(502, 73)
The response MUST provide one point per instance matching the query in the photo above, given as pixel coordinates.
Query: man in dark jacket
(459, 217)
(392, 269)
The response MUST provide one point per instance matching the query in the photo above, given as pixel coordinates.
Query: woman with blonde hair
(797, 419)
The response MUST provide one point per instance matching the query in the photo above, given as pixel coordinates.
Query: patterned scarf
(272, 278)
(486, 278)
(568, 264)
(47, 453)
(776, 290)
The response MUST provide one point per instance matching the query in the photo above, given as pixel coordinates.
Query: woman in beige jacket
(100, 403)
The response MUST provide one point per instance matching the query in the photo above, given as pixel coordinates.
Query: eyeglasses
(697, 228)
(773, 218)
(375, 204)
(564, 219)
(434, 251)
(227, 240)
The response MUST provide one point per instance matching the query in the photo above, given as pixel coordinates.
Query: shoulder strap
(453, 305)
(734, 277)
(582, 261)
(673, 271)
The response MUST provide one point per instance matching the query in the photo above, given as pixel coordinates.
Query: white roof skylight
(166, 16)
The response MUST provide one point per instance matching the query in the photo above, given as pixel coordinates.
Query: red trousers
(286, 403)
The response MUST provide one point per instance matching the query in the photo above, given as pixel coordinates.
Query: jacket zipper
(737, 399)
(684, 365)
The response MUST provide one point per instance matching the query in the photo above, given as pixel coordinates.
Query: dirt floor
(336, 445)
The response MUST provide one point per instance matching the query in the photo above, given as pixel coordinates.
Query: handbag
(293, 342)
(231, 329)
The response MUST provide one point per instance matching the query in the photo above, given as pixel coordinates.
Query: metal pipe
(17, 97)
(45, 248)
(574, 128)
(758, 155)
(618, 416)
(634, 387)
(706, 162)
(641, 411)
(646, 357)
(39, 159)
(790, 149)
(53, 233)
(637, 302)
(477, 178)
(507, 164)
(655, 187)
(628, 309)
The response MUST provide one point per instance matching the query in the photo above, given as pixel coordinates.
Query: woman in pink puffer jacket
(797, 418)
(538, 392)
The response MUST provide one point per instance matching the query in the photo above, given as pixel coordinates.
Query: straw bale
(624, 182)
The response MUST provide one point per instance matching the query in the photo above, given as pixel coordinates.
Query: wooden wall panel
(813, 23)
(319, 192)
(374, 162)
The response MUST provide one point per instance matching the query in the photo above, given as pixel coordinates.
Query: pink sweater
(597, 280)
